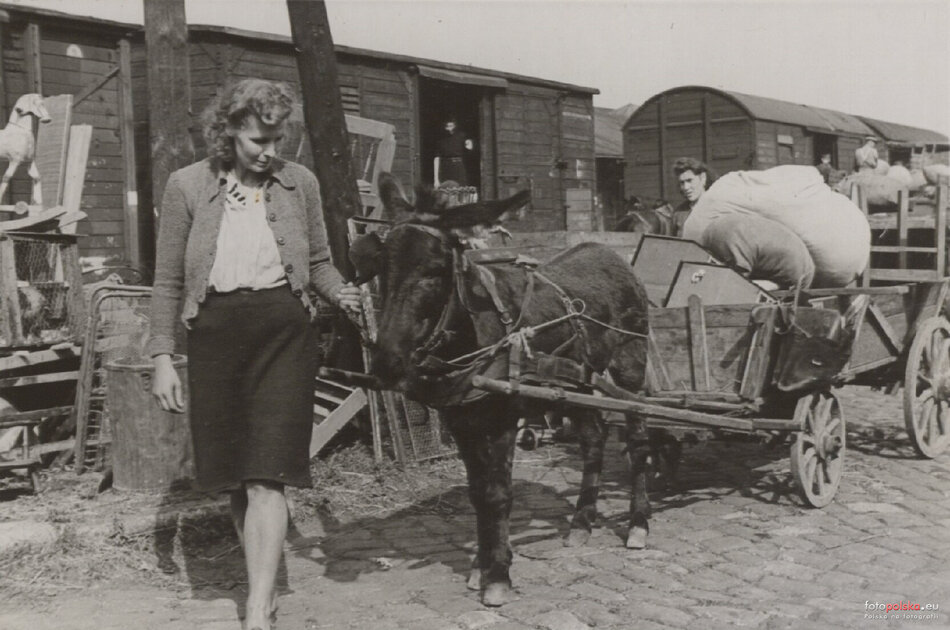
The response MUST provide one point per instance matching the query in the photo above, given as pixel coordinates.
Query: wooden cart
(710, 369)
(904, 336)
(710, 365)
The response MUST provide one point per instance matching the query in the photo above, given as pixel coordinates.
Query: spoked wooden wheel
(818, 451)
(927, 388)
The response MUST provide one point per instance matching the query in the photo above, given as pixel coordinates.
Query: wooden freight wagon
(731, 131)
(527, 130)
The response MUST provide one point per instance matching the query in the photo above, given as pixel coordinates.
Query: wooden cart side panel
(699, 354)
(889, 324)
(657, 378)
(684, 344)
(758, 366)
(878, 341)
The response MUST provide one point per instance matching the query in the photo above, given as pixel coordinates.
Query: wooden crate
(41, 300)
(909, 245)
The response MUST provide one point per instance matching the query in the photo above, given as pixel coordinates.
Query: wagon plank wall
(535, 132)
(77, 61)
(544, 139)
(578, 172)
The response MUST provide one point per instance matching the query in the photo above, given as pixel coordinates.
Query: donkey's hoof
(474, 582)
(577, 538)
(498, 594)
(636, 538)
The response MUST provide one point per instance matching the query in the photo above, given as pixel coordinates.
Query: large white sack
(917, 180)
(834, 230)
(881, 167)
(879, 190)
(937, 174)
(901, 174)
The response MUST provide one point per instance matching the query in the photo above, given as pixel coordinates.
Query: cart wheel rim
(927, 388)
(817, 455)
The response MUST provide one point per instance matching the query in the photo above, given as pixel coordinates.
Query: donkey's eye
(817, 362)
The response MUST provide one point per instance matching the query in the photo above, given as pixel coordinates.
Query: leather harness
(455, 374)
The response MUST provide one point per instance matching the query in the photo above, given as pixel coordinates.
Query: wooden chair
(373, 146)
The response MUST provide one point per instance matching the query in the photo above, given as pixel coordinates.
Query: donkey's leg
(638, 455)
(498, 500)
(467, 444)
(667, 454)
(592, 436)
(486, 442)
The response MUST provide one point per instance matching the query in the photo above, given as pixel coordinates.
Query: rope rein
(575, 310)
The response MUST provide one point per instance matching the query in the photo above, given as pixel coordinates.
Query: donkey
(445, 320)
(648, 216)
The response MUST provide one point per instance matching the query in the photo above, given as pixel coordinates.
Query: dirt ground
(731, 545)
(106, 535)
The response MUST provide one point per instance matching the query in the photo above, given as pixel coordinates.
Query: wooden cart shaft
(634, 404)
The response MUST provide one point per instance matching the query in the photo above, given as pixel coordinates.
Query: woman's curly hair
(271, 101)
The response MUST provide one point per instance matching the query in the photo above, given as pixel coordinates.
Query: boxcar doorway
(824, 143)
(440, 101)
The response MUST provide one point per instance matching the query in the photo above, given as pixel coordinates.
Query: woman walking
(241, 245)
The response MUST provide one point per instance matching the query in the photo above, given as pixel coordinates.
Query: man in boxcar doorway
(865, 156)
(825, 167)
(451, 153)
(693, 177)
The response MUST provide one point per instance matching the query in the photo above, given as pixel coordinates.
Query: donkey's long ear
(394, 200)
(478, 213)
(365, 254)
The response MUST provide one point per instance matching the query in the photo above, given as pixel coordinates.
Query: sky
(886, 59)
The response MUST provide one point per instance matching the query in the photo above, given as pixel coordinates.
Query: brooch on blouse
(238, 194)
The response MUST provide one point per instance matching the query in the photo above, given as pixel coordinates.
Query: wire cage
(416, 430)
(118, 328)
(41, 299)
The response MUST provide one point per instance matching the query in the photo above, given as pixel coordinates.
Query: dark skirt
(252, 360)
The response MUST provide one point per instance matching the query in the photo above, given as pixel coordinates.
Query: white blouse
(247, 256)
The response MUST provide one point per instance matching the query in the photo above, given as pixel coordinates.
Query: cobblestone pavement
(732, 546)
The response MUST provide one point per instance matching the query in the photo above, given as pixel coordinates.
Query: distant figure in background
(693, 178)
(824, 167)
(450, 154)
(865, 156)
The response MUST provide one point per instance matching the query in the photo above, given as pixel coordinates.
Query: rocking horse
(18, 144)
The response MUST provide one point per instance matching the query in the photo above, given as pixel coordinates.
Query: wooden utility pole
(169, 93)
(326, 126)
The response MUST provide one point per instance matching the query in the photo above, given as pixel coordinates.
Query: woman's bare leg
(265, 527)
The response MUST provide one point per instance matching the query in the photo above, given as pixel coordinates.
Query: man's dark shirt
(452, 145)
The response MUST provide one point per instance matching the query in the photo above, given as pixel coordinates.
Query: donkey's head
(414, 266)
